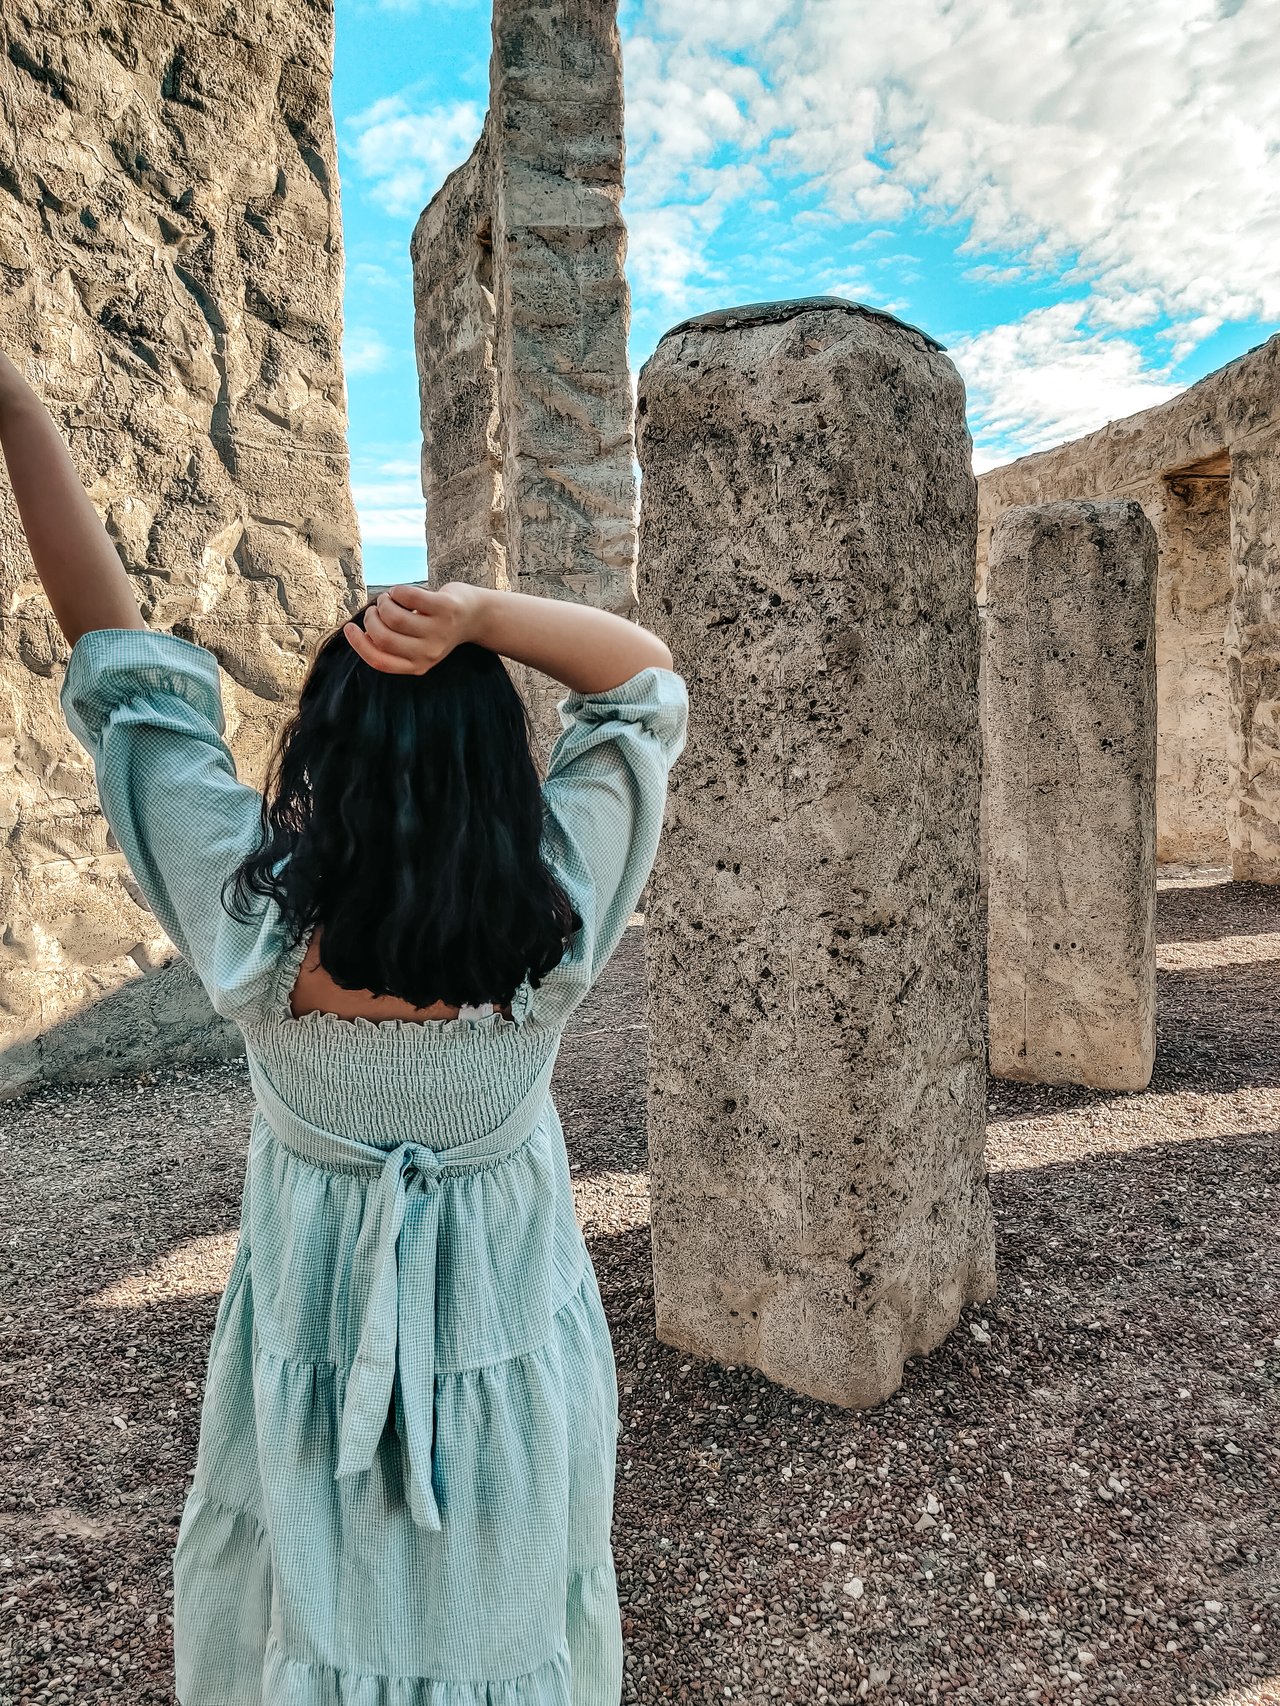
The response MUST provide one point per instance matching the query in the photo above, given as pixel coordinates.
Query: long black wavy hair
(404, 815)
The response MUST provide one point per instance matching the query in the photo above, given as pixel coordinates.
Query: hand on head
(410, 628)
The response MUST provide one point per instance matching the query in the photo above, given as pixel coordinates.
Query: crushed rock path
(1076, 1499)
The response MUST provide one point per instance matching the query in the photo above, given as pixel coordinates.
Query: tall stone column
(815, 947)
(1071, 778)
(171, 282)
(456, 336)
(521, 313)
(1253, 661)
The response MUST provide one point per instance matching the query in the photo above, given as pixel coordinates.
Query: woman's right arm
(585, 649)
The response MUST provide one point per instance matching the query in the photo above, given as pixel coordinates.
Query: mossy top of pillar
(775, 313)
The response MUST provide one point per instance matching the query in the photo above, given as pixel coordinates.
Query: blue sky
(1080, 198)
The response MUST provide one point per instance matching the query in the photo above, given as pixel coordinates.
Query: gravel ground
(1077, 1499)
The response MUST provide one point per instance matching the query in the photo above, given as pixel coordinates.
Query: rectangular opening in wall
(1194, 790)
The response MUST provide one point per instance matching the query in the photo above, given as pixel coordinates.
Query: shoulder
(112, 667)
(651, 707)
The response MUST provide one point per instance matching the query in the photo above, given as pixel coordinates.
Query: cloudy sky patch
(1081, 199)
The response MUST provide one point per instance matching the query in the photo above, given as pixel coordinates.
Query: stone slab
(171, 282)
(1071, 776)
(521, 317)
(815, 942)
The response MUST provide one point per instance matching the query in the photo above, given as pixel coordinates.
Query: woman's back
(409, 1433)
(315, 991)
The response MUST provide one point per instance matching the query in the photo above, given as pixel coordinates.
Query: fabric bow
(393, 1352)
(386, 1349)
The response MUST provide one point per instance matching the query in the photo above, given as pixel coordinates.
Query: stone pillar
(1070, 778)
(455, 332)
(815, 947)
(1253, 661)
(521, 313)
(171, 282)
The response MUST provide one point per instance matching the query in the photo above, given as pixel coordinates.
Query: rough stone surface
(1070, 773)
(171, 281)
(1204, 467)
(521, 314)
(820, 1203)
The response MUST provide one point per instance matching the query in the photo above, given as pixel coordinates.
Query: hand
(411, 628)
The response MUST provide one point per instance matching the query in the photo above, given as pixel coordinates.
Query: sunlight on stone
(198, 1268)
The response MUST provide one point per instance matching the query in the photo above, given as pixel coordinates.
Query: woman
(404, 1485)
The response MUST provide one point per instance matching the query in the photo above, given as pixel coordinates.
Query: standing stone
(815, 946)
(171, 282)
(521, 317)
(1071, 774)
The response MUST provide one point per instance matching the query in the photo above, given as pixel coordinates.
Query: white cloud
(372, 274)
(1049, 377)
(406, 155)
(1139, 145)
(853, 283)
(665, 251)
(364, 350)
(388, 499)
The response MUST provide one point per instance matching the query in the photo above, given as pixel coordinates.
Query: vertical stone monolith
(1071, 779)
(815, 947)
(521, 317)
(171, 282)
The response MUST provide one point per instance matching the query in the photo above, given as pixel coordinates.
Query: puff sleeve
(604, 797)
(147, 707)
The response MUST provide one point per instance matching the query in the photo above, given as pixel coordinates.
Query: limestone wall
(1069, 771)
(170, 280)
(815, 942)
(1198, 466)
(522, 311)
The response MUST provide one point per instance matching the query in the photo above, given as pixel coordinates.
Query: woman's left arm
(83, 576)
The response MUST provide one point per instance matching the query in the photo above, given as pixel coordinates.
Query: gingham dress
(403, 1492)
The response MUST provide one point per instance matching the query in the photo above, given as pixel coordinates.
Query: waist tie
(389, 1348)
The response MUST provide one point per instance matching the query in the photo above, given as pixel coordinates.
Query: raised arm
(587, 650)
(84, 578)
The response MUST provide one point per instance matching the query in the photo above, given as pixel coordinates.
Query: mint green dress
(404, 1485)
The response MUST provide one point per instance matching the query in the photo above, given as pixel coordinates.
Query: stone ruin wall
(522, 311)
(1206, 469)
(171, 282)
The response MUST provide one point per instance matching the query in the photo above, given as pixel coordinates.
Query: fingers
(394, 615)
(387, 639)
(373, 655)
(419, 598)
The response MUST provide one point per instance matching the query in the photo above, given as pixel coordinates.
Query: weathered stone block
(521, 315)
(171, 281)
(815, 944)
(1071, 776)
